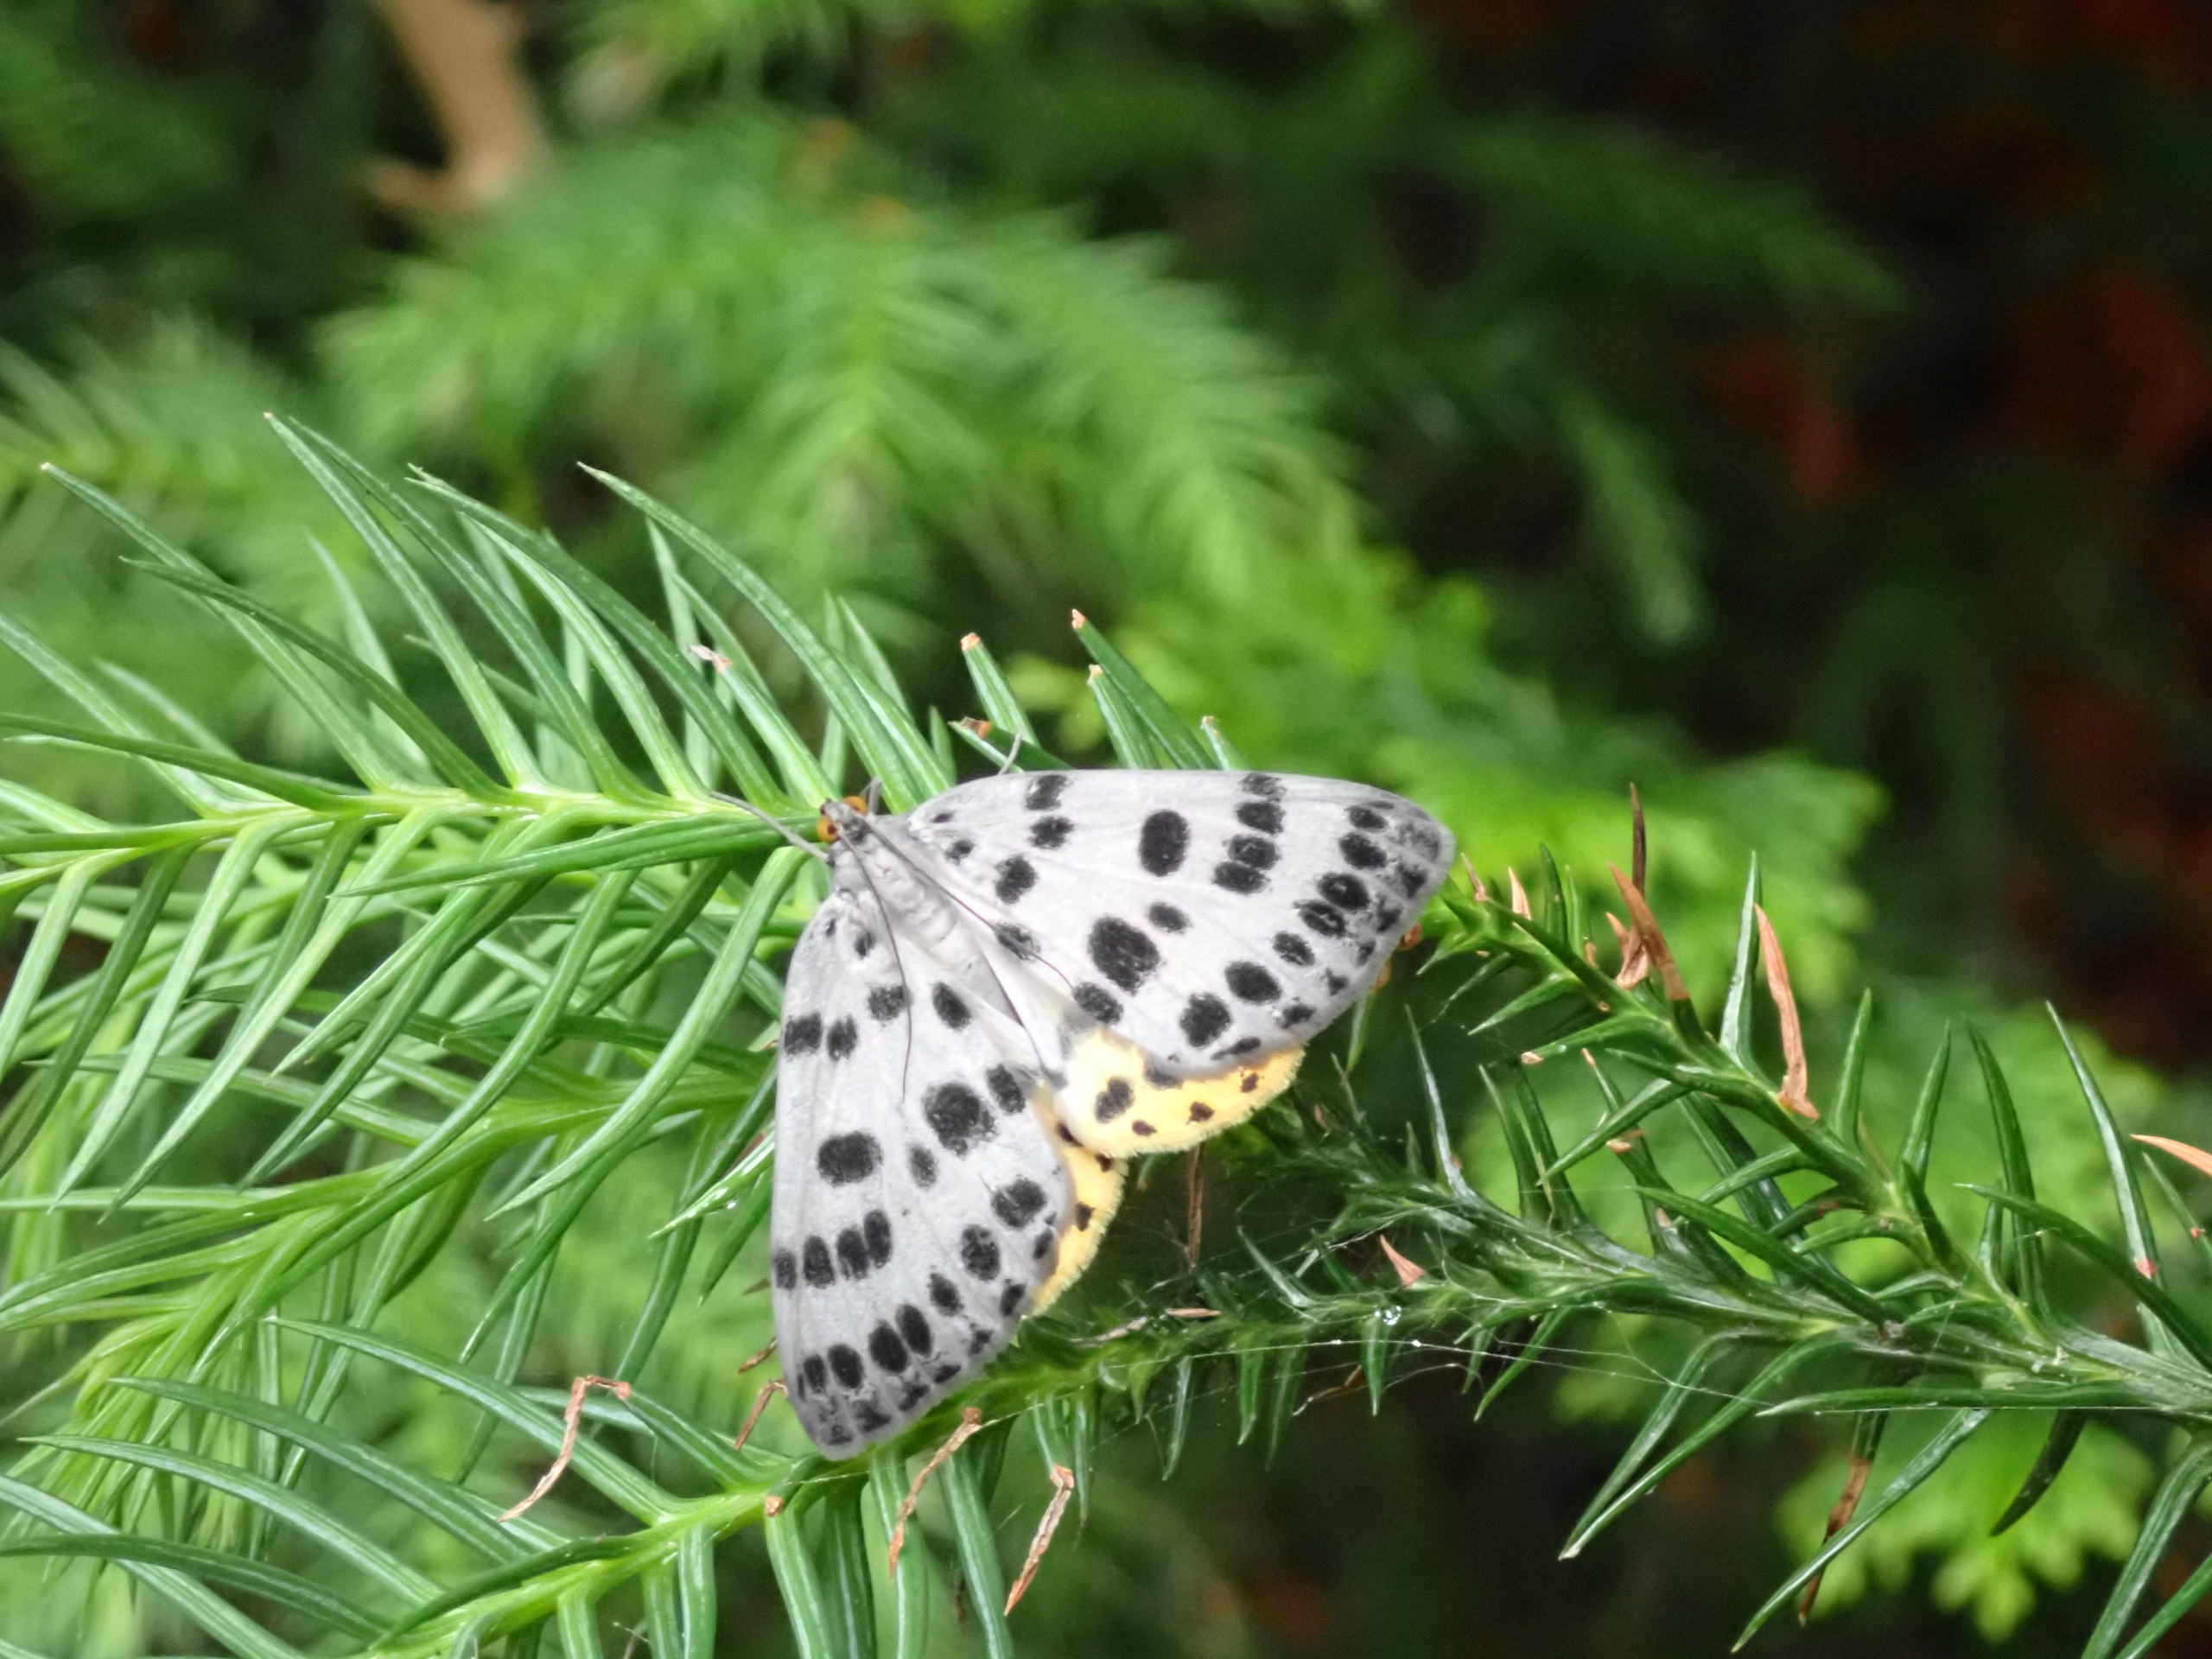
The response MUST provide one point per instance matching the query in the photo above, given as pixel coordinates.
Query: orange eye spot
(825, 830)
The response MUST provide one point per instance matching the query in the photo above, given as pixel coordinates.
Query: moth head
(838, 817)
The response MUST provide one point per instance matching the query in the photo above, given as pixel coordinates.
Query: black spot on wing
(1113, 1100)
(852, 1253)
(843, 1035)
(1005, 1089)
(1255, 850)
(950, 1008)
(1260, 784)
(885, 1348)
(914, 1328)
(1238, 878)
(1167, 919)
(1010, 1297)
(1050, 835)
(1205, 1016)
(1249, 982)
(802, 1034)
(1263, 816)
(956, 1116)
(945, 1295)
(843, 1159)
(786, 1270)
(1293, 950)
(1098, 1002)
(1361, 852)
(1018, 941)
(1365, 818)
(1045, 790)
(1296, 1015)
(979, 1252)
(845, 1366)
(1343, 889)
(815, 1263)
(1017, 1203)
(1162, 843)
(921, 1163)
(1016, 876)
(1124, 954)
(1324, 919)
(876, 1229)
(886, 1002)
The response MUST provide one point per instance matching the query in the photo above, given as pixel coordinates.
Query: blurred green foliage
(1364, 391)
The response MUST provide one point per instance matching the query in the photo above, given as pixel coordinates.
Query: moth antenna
(778, 826)
(874, 796)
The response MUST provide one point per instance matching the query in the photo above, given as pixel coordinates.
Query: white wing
(1212, 918)
(920, 1198)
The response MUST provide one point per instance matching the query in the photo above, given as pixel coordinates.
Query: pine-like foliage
(527, 956)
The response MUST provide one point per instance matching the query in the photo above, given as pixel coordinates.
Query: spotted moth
(1009, 992)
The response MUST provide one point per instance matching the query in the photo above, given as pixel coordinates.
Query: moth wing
(1212, 918)
(920, 1198)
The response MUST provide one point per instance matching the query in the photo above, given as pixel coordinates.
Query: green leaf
(1924, 1463)
(1169, 734)
(910, 1588)
(615, 1480)
(1732, 1409)
(211, 911)
(1809, 1272)
(797, 1578)
(2066, 1428)
(896, 754)
(695, 1592)
(1126, 732)
(2145, 1288)
(202, 1606)
(2122, 1156)
(976, 1543)
(1736, 1005)
(2020, 1257)
(708, 1005)
(2177, 1495)
(37, 1100)
(1843, 1117)
(510, 748)
(1000, 706)
(213, 1565)
(1919, 1146)
(464, 1515)
(292, 787)
(848, 1590)
(316, 1524)
(1687, 1383)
